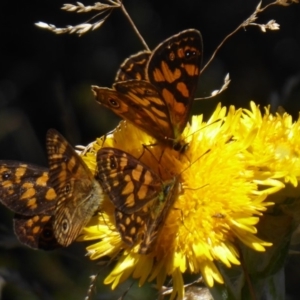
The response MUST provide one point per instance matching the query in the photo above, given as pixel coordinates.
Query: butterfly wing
(129, 183)
(174, 68)
(134, 67)
(36, 231)
(78, 193)
(139, 102)
(25, 188)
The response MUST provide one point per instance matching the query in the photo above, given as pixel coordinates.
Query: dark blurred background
(45, 83)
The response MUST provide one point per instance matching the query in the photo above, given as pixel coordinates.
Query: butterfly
(79, 195)
(52, 206)
(142, 200)
(155, 91)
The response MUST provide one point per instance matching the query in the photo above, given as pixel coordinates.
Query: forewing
(129, 183)
(140, 103)
(174, 68)
(35, 231)
(78, 193)
(134, 67)
(147, 101)
(25, 188)
(65, 164)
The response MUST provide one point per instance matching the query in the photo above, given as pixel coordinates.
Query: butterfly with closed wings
(142, 200)
(79, 195)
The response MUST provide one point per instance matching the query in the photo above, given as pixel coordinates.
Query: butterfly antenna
(157, 159)
(214, 122)
(191, 163)
(133, 26)
(142, 154)
(230, 139)
(104, 221)
(182, 218)
(108, 133)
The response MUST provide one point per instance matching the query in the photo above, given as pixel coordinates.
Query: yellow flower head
(219, 185)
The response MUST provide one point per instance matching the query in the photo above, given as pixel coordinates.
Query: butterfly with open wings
(155, 91)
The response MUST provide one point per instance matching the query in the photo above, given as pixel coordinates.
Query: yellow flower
(276, 147)
(223, 177)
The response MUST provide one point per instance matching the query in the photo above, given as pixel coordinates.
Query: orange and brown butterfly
(142, 200)
(25, 189)
(52, 206)
(79, 195)
(158, 99)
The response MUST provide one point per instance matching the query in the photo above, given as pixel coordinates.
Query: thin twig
(220, 45)
(134, 27)
(217, 92)
(267, 6)
(242, 25)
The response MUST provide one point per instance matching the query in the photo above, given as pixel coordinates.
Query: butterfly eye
(190, 54)
(65, 226)
(167, 189)
(113, 102)
(177, 147)
(6, 175)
